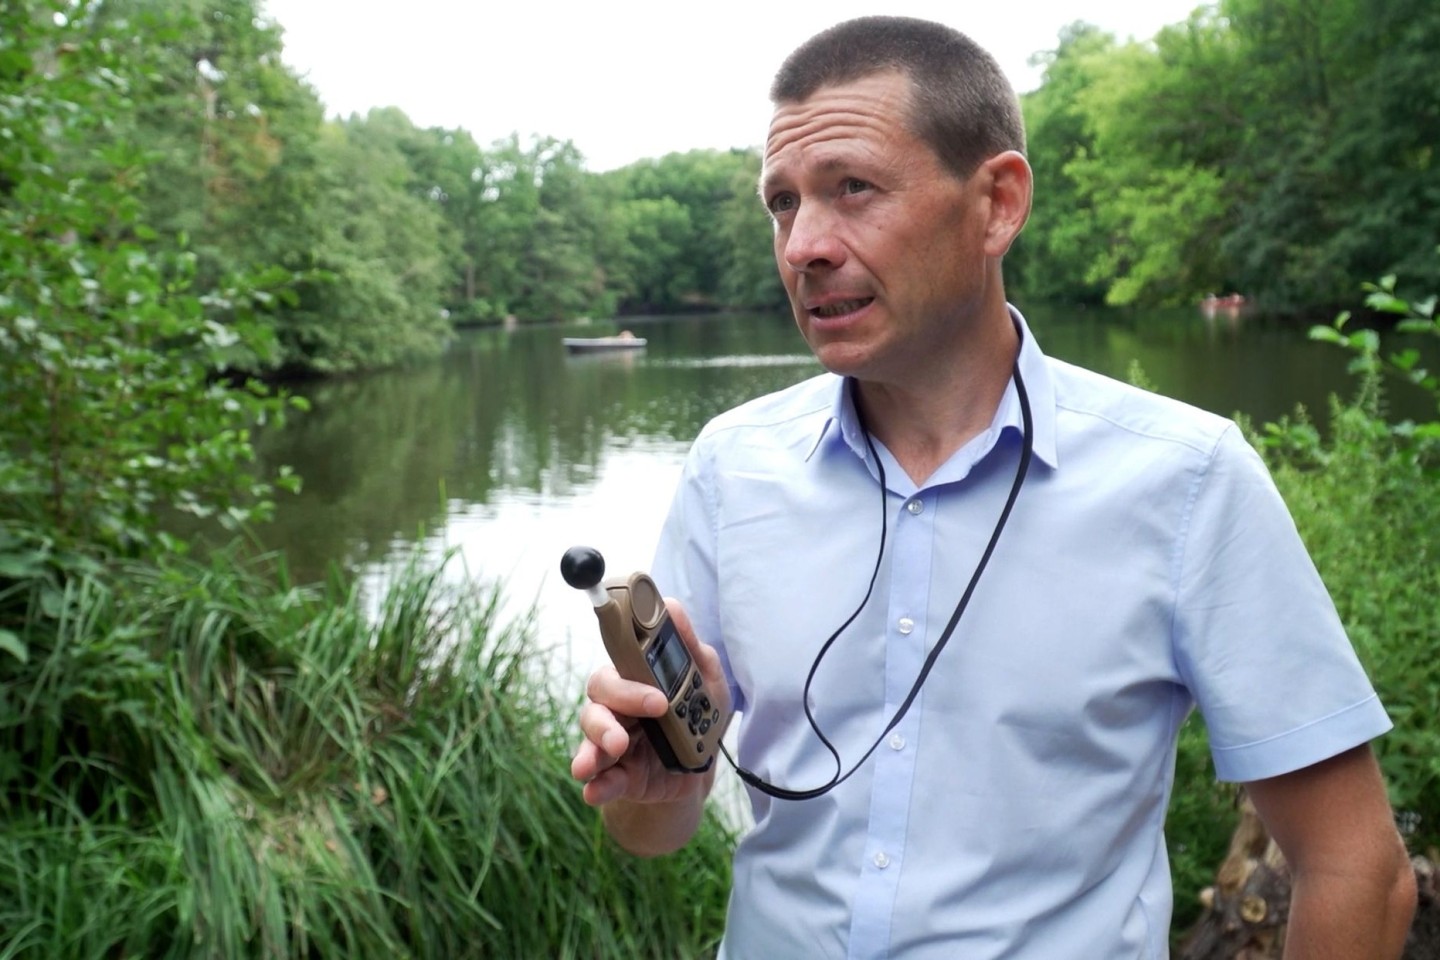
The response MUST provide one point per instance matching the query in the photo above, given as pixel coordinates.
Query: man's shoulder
(1111, 405)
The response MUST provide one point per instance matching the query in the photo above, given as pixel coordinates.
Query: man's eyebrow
(824, 164)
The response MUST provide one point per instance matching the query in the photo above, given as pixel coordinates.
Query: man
(1016, 808)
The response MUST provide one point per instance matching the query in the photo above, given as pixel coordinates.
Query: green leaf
(1365, 341)
(18, 566)
(1406, 359)
(1387, 303)
(11, 643)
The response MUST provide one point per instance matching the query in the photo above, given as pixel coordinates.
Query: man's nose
(811, 240)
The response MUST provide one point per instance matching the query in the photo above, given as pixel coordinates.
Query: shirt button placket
(887, 836)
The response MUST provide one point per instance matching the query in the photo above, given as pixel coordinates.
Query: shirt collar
(843, 424)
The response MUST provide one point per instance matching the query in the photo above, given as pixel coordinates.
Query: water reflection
(509, 450)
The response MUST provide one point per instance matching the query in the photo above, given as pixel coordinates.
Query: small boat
(1228, 302)
(625, 341)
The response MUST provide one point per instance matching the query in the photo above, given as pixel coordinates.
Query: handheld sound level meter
(644, 646)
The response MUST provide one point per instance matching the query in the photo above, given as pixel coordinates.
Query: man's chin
(841, 359)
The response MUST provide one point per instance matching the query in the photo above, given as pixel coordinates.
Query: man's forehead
(888, 83)
(835, 121)
(874, 98)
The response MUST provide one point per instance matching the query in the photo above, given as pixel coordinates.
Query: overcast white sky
(626, 79)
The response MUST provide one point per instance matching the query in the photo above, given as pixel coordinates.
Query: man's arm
(1353, 890)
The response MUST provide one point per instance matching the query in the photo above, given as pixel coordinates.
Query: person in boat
(958, 719)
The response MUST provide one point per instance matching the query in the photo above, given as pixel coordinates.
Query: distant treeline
(1282, 148)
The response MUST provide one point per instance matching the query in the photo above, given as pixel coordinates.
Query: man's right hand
(621, 770)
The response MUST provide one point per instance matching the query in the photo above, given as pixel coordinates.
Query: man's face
(881, 249)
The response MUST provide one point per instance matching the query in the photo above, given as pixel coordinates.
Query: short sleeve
(1257, 637)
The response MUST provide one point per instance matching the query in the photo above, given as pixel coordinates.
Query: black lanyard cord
(1026, 452)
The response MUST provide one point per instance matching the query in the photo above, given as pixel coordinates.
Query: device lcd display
(669, 660)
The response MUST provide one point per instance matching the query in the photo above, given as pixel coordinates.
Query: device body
(645, 647)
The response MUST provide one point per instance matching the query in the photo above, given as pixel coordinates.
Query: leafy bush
(113, 397)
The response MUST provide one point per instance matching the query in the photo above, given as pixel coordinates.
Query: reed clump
(206, 761)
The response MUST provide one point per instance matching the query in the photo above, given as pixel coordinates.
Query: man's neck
(922, 424)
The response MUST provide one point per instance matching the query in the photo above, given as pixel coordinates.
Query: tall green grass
(203, 761)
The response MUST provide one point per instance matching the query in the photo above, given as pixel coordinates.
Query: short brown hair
(962, 105)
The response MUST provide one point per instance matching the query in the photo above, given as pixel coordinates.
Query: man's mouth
(840, 307)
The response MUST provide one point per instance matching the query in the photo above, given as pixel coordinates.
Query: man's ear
(1010, 184)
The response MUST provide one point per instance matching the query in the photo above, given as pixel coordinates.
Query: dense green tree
(228, 127)
(1154, 204)
(1339, 177)
(571, 238)
(677, 234)
(1279, 147)
(1051, 259)
(537, 234)
(745, 237)
(448, 169)
(654, 272)
(1128, 148)
(109, 407)
(243, 170)
(378, 256)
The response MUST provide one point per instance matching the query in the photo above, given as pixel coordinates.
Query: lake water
(507, 450)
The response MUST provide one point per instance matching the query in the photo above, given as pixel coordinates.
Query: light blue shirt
(1017, 810)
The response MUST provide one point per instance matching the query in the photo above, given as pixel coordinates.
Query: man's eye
(782, 202)
(854, 185)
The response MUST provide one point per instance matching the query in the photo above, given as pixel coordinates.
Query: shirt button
(905, 625)
(897, 742)
(881, 860)
(916, 507)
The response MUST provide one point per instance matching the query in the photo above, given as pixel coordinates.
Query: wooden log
(1249, 904)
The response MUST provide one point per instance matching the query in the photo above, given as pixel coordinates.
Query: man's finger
(605, 730)
(625, 697)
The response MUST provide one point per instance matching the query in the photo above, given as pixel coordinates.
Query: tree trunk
(1247, 907)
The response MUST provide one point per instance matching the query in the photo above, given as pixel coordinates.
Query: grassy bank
(198, 762)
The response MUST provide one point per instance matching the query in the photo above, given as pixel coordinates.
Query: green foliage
(694, 233)
(1051, 259)
(1416, 319)
(1366, 500)
(226, 127)
(746, 236)
(536, 233)
(376, 298)
(1282, 148)
(109, 404)
(201, 761)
